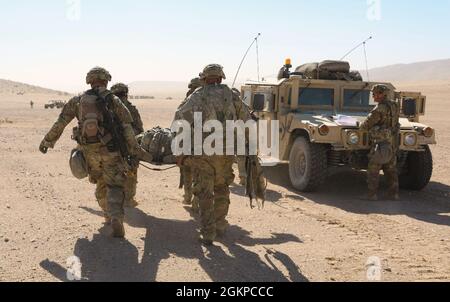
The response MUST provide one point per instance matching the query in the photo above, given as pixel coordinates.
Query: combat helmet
(98, 73)
(212, 70)
(120, 89)
(195, 83)
(78, 164)
(380, 88)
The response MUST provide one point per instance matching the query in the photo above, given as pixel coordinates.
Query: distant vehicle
(141, 97)
(169, 98)
(55, 104)
(320, 110)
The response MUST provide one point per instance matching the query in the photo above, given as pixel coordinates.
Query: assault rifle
(113, 125)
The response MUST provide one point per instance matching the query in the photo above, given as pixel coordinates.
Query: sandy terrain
(47, 216)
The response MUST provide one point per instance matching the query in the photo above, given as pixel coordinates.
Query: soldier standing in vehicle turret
(383, 127)
(97, 139)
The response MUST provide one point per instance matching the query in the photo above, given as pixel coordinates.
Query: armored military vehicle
(320, 106)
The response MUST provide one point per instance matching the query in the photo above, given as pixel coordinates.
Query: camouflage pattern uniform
(106, 167)
(383, 127)
(121, 91)
(187, 172)
(214, 173)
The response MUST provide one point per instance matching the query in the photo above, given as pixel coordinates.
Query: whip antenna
(257, 58)
(356, 47)
(367, 64)
(243, 59)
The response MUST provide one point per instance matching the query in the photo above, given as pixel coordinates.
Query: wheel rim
(300, 167)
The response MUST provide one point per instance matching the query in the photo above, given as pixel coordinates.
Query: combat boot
(369, 197)
(393, 196)
(206, 241)
(132, 203)
(221, 233)
(372, 197)
(118, 228)
(187, 200)
(195, 205)
(107, 219)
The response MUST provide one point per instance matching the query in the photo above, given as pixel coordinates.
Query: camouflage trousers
(214, 176)
(189, 177)
(390, 172)
(242, 168)
(131, 188)
(108, 172)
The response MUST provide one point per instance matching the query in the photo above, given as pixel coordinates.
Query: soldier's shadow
(111, 260)
(246, 266)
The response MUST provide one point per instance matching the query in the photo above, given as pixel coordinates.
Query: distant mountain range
(415, 72)
(438, 70)
(11, 87)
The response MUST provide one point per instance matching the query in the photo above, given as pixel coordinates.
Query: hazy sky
(53, 43)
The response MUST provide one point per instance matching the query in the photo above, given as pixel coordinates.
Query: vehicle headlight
(353, 138)
(324, 130)
(410, 139)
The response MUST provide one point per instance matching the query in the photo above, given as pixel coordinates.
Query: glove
(145, 156)
(44, 146)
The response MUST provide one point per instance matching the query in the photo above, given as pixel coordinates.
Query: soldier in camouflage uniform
(383, 127)
(215, 101)
(187, 172)
(121, 91)
(107, 169)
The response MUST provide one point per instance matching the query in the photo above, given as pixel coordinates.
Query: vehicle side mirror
(259, 102)
(409, 107)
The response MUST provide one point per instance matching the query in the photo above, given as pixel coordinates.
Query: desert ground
(47, 216)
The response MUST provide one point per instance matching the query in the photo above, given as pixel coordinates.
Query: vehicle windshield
(358, 98)
(316, 97)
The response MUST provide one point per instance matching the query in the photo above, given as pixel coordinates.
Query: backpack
(329, 70)
(158, 142)
(90, 119)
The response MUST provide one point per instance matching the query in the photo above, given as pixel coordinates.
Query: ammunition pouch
(76, 135)
(378, 134)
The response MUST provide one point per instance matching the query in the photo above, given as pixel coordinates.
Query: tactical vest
(91, 121)
(388, 128)
(218, 104)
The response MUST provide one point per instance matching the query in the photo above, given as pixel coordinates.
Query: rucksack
(90, 117)
(158, 142)
(329, 70)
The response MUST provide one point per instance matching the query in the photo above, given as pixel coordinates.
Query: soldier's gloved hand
(145, 156)
(44, 146)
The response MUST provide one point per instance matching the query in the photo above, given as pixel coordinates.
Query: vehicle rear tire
(418, 169)
(307, 165)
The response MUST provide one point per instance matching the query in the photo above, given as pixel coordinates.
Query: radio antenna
(245, 56)
(356, 47)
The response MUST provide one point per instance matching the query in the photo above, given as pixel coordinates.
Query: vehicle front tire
(307, 165)
(418, 169)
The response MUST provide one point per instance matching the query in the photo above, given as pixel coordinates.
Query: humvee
(319, 126)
